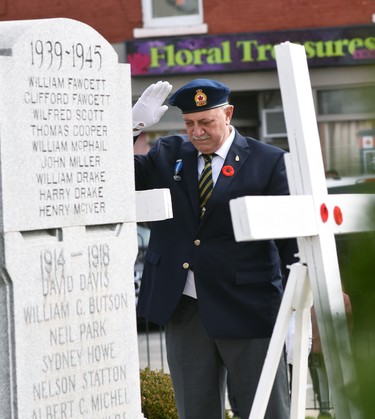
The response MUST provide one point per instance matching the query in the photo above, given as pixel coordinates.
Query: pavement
(152, 354)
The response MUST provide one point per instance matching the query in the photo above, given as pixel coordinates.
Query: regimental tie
(205, 182)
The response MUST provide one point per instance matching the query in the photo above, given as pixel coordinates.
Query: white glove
(149, 107)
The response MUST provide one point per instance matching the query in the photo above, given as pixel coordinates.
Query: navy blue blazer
(239, 285)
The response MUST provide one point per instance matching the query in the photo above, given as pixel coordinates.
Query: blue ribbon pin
(177, 170)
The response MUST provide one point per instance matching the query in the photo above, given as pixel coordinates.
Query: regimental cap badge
(200, 95)
(200, 98)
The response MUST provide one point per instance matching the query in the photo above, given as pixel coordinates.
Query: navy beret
(200, 95)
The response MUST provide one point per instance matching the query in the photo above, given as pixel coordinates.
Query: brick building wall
(116, 19)
(255, 16)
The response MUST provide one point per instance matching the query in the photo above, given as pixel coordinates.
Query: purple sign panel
(352, 45)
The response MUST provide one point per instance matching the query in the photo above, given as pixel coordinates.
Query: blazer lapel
(190, 168)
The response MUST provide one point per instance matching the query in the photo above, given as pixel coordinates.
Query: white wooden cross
(313, 217)
(153, 205)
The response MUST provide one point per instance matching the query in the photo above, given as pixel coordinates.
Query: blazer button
(197, 242)
(186, 265)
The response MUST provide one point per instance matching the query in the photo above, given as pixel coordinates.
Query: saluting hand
(149, 108)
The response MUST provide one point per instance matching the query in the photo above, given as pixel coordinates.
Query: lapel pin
(177, 170)
(237, 158)
(227, 170)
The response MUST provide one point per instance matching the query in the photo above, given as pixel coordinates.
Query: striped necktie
(205, 182)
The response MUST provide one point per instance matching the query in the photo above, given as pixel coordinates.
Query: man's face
(208, 130)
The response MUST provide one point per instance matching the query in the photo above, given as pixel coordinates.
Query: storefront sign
(353, 45)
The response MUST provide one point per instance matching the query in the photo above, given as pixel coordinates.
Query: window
(171, 17)
(358, 100)
(273, 128)
(343, 115)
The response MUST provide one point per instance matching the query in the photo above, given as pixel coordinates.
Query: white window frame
(162, 22)
(172, 25)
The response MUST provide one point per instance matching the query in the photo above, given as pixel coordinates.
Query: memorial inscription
(68, 333)
(75, 330)
(60, 134)
(63, 98)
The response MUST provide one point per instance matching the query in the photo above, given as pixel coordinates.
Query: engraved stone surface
(68, 334)
(65, 126)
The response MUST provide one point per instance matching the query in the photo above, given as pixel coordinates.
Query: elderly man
(217, 298)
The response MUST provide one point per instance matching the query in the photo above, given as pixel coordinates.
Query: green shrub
(157, 395)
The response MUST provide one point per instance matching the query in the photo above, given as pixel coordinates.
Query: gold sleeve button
(197, 242)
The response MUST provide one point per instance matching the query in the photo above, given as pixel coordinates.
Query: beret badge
(200, 98)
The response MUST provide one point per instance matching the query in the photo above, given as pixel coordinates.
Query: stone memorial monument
(68, 335)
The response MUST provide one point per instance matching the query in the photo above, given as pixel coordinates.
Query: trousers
(200, 365)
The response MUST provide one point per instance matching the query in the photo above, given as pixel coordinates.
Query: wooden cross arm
(153, 205)
(276, 217)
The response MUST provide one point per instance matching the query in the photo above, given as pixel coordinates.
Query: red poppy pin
(227, 170)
